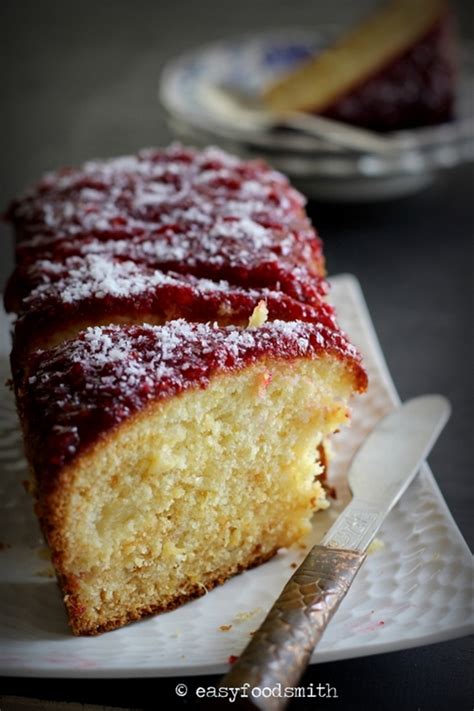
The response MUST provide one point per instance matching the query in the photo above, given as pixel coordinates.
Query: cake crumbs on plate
(247, 615)
(375, 546)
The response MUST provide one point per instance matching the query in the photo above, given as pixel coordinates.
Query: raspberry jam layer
(80, 390)
(94, 289)
(203, 213)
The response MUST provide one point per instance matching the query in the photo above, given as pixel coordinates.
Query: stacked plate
(211, 96)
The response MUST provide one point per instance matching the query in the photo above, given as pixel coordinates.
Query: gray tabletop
(79, 80)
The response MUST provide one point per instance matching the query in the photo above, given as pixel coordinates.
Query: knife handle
(281, 648)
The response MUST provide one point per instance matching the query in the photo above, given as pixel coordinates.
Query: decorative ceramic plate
(191, 91)
(415, 589)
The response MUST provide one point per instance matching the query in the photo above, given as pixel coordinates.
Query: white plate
(413, 591)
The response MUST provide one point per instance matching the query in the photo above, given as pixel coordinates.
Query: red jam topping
(203, 213)
(86, 386)
(415, 89)
(95, 288)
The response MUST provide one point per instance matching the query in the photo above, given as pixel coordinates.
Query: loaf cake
(177, 371)
(395, 71)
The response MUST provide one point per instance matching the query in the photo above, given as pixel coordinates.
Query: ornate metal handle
(280, 650)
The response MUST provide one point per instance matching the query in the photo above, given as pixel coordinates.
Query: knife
(381, 471)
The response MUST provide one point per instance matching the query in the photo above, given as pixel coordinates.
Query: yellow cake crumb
(246, 615)
(375, 546)
(259, 315)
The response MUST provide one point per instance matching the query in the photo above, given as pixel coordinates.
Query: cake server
(381, 471)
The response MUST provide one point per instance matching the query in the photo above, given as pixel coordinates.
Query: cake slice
(395, 71)
(168, 458)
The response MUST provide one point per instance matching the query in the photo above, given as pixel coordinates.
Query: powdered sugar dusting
(100, 277)
(125, 191)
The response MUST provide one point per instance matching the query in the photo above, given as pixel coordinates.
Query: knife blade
(384, 466)
(380, 473)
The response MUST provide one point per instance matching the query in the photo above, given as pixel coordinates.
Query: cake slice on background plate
(394, 71)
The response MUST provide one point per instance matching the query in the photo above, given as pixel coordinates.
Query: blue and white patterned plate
(190, 93)
(246, 65)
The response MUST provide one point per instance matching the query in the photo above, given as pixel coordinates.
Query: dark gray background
(79, 80)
